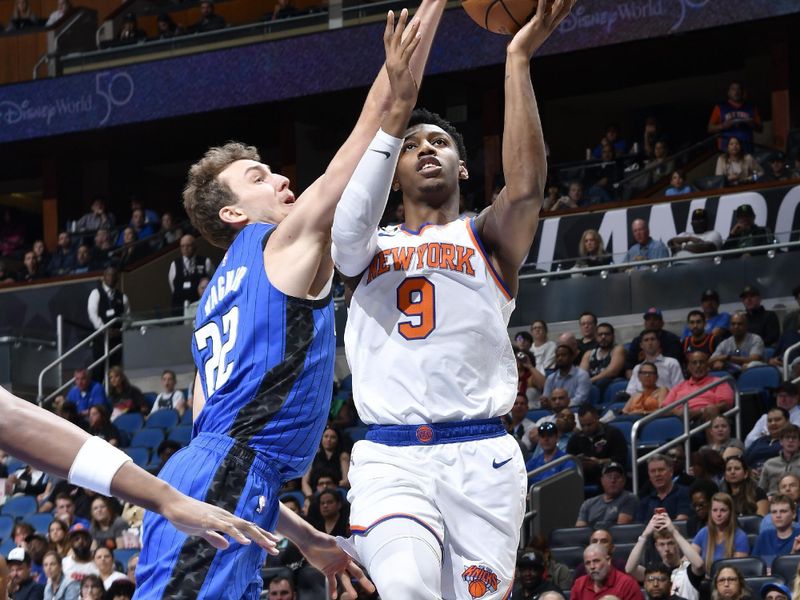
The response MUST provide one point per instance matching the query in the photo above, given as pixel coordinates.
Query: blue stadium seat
(749, 566)
(754, 584)
(162, 419)
(616, 386)
(535, 415)
(186, 419)
(147, 438)
(570, 556)
(625, 427)
(20, 507)
(7, 546)
(750, 523)
(14, 464)
(759, 379)
(719, 374)
(40, 521)
(594, 395)
(130, 423)
(570, 536)
(140, 456)
(123, 555)
(346, 384)
(626, 534)
(150, 398)
(660, 430)
(181, 434)
(6, 526)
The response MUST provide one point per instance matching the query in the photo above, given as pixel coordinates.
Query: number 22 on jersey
(216, 368)
(416, 299)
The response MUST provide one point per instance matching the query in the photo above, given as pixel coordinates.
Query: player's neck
(418, 213)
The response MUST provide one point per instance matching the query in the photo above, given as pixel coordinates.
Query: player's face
(263, 196)
(429, 163)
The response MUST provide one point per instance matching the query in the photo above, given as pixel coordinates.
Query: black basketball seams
(508, 12)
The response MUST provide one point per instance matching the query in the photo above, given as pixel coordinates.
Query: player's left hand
(549, 14)
(326, 555)
(210, 523)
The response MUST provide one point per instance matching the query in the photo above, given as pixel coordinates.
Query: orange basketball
(477, 588)
(501, 16)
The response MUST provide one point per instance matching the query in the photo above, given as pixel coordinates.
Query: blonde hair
(597, 236)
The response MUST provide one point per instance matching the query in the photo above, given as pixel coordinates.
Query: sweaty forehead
(239, 168)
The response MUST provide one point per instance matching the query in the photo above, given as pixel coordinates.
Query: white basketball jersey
(426, 335)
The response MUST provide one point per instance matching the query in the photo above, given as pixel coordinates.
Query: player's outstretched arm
(91, 462)
(355, 223)
(509, 225)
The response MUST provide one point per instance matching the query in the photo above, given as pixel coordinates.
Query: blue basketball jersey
(265, 359)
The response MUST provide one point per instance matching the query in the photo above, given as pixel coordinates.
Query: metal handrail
(58, 361)
(164, 321)
(558, 461)
(688, 431)
(14, 339)
(658, 261)
(786, 354)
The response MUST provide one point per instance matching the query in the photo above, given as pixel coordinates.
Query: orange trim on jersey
(479, 246)
(361, 530)
(510, 588)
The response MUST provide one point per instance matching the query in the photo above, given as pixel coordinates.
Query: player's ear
(462, 170)
(232, 214)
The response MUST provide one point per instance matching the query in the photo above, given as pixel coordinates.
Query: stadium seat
(759, 379)
(769, 352)
(535, 415)
(162, 419)
(140, 456)
(681, 527)
(570, 556)
(626, 534)
(20, 507)
(625, 427)
(570, 536)
(750, 523)
(181, 434)
(712, 182)
(130, 423)
(6, 526)
(749, 566)
(786, 566)
(186, 419)
(14, 464)
(616, 386)
(622, 551)
(719, 374)
(123, 555)
(150, 398)
(659, 431)
(40, 521)
(147, 438)
(7, 546)
(594, 395)
(754, 584)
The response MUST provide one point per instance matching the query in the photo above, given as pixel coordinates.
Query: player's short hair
(204, 194)
(422, 115)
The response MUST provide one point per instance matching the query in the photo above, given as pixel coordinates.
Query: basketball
(477, 588)
(501, 16)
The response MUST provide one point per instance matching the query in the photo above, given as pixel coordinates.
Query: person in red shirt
(710, 403)
(602, 579)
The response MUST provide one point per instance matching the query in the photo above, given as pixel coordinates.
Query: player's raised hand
(399, 42)
(210, 522)
(549, 14)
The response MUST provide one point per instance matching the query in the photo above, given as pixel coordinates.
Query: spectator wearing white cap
(22, 586)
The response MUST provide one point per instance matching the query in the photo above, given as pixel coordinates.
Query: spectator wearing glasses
(729, 584)
(657, 584)
(670, 373)
(548, 442)
(651, 397)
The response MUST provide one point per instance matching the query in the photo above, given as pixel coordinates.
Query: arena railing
(786, 355)
(688, 431)
(554, 463)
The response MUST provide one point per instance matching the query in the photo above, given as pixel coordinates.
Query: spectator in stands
(565, 422)
(131, 251)
(652, 133)
(698, 340)
(608, 173)
(772, 590)
(651, 397)
(700, 494)
(789, 486)
(62, 8)
(519, 425)
(722, 537)
(22, 17)
(28, 481)
(599, 443)
(20, 532)
(166, 28)
(284, 9)
(30, 270)
(186, 271)
(745, 233)
(791, 321)
(573, 199)
(78, 563)
(783, 537)
(130, 568)
(760, 321)
(789, 338)
(587, 323)
(543, 349)
(717, 322)
(669, 369)
(83, 261)
(611, 137)
(97, 217)
(568, 339)
(41, 254)
(737, 167)
(281, 588)
(331, 455)
(764, 447)
(681, 570)
(559, 574)
(669, 342)
(523, 341)
(123, 396)
(58, 587)
(140, 224)
(735, 119)
(741, 350)
(106, 526)
(102, 249)
(21, 585)
(548, 442)
(747, 497)
(567, 376)
(665, 493)
(190, 310)
(169, 398)
(57, 534)
(63, 259)
(699, 241)
(332, 519)
(679, 474)
(91, 587)
(130, 32)
(602, 578)
(104, 560)
(121, 589)
(778, 169)
(718, 435)
(645, 248)
(533, 579)
(677, 184)
(606, 361)
(729, 584)
(787, 461)
(660, 165)
(558, 401)
(65, 511)
(710, 403)
(106, 302)
(615, 506)
(164, 451)
(592, 251)
(209, 19)
(170, 231)
(603, 538)
(86, 393)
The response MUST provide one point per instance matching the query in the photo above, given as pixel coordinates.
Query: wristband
(96, 464)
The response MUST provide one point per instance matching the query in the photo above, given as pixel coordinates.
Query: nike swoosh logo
(386, 154)
(497, 465)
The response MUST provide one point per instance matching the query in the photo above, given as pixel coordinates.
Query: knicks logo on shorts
(424, 434)
(480, 579)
